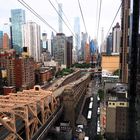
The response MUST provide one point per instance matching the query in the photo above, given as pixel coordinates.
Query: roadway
(91, 128)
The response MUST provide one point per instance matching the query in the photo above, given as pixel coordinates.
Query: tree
(101, 94)
(116, 72)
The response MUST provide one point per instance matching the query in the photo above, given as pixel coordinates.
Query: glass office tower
(17, 20)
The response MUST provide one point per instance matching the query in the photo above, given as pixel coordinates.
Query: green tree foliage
(64, 72)
(99, 137)
(83, 65)
(116, 72)
(101, 94)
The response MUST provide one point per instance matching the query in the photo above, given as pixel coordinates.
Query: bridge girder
(26, 107)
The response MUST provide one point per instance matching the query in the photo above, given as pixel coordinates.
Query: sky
(71, 10)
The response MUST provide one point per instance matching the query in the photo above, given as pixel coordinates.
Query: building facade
(124, 47)
(134, 71)
(84, 38)
(17, 20)
(109, 44)
(110, 63)
(87, 53)
(1, 39)
(31, 40)
(59, 48)
(116, 38)
(77, 43)
(69, 47)
(117, 119)
(24, 73)
(6, 41)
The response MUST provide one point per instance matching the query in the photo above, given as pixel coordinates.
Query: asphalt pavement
(91, 128)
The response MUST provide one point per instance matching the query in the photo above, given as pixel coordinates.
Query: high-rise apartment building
(17, 20)
(116, 38)
(77, 43)
(44, 41)
(124, 47)
(1, 39)
(52, 45)
(84, 39)
(134, 71)
(31, 39)
(25, 74)
(87, 53)
(69, 47)
(59, 48)
(109, 44)
(6, 41)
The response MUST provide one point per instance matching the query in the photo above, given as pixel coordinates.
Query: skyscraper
(109, 44)
(69, 47)
(83, 44)
(124, 47)
(60, 18)
(44, 41)
(116, 38)
(134, 71)
(77, 35)
(59, 48)
(1, 39)
(17, 19)
(31, 39)
(52, 44)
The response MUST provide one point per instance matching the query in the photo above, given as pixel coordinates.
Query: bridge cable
(96, 15)
(82, 15)
(99, 18)
(36, 14)
(60, 17)
(114, 19)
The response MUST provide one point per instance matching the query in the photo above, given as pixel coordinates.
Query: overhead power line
(114, 19)
(61, 17)
(82, 16)
(36, 14)
(99, 18)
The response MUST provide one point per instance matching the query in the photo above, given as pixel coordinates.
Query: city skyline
(48, 13)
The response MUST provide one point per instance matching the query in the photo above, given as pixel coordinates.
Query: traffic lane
(91, 129)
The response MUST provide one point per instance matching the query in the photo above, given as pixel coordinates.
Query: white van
(86, 138)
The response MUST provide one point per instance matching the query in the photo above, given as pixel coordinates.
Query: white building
(31, 39)
(116, 38)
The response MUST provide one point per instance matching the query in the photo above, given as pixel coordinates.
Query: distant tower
(44, 41)
(102, 48)
(60, 17)
(77, 34)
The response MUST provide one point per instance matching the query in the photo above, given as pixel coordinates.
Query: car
(86, 138)
(98, 110)
(79, 128)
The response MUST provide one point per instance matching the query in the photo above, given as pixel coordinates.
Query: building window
(109, 103)
(121, 103)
